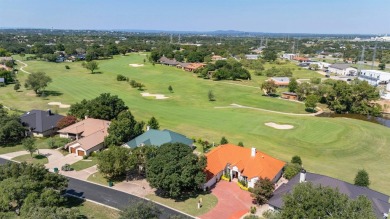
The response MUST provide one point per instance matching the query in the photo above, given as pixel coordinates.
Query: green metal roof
(158, 138)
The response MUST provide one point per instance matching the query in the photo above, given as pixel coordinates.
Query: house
(244, 164)
(193, 67)
(374, 77)
(158, 138)
(289, 96)
(40, 123)
(170, 62)
(88, 136)
(342, 69)
(4, 60)
(216, 58)
(5, 67)
(289, 56)
(379, 201)
(281, 81)
(252, 57)
(300, 59)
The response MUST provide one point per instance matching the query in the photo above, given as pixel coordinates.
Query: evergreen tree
(362, 178)
(153, 123)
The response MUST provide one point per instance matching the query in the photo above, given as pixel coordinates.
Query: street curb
(98, 203)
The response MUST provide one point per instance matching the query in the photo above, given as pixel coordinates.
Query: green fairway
(331, 146)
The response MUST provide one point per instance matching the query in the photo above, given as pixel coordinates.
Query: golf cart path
(233, 105)
(22, 68)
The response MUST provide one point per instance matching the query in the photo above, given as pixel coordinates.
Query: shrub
(251, 217)
(291, 170)
(258, 73)
(67, 67)
(297, 160)
(315, 80)
(121, 78)
(85, 157)
(253, 209)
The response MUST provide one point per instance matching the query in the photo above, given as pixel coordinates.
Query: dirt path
(233, 105)
(22, 68)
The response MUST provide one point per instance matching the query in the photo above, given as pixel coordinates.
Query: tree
(263, 190)
(224, 140)
(37, 81)
(311, 101)
(139, 157)
(293, 85)
(362, 178)
(153, 123)
(92, 66)
(291, 169)
(17, 86)
(269, 87)
(24, 187)
(269, 55)
(240, 144)
(211, 95)
(11, 129)
(314, 67)
(114, 162)
(382, 66)
(122, 129)
(29, 145)
(296, 160)
(22, 55)
(104, 106)
(141, 210)
(175, 170)
(170, 88)
(66, 121)
(309, 201)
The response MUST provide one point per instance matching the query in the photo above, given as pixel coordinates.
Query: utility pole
(361, 60)
(179, 38)
(170, 41)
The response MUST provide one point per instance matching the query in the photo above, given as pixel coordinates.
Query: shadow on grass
(97, 73)
(73, 202)
(310, 110)
(39, 156)
(53, 93)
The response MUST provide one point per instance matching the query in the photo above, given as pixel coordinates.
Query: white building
(374, 77)
(342, 69)
(288, 56)
(252, 57)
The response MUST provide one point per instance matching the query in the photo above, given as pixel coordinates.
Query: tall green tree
(141, 210)
(297, 160)
(223, 140)
(29, 145)
(92, 66)
(114, 162)
(269, 87)
(382, 66)
(153, 123)
(37, 81)
(122, 129)
(269, 55)
(105, 106)
(311, 101)
(175, 170)
(293, 85)
(362, 178)
(211, 95)
(309, 201)
(11, 129)
(263, 190)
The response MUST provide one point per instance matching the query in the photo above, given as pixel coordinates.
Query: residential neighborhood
(224, 110)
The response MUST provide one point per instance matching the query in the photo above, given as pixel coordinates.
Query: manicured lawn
(92, 210)
(40, 143)
(35, 159)
(335, 147)
(99, 179)
(84, 164)
(189, 205)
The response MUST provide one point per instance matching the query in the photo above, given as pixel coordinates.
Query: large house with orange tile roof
(244, 164)
(88, 136)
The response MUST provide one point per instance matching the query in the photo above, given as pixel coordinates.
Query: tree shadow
(97, 73)
(39, 156)
(183, 197)
(48, 93)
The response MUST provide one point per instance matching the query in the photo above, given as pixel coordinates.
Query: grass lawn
(35, 159)
(40, 143)
(335, 147)
(189, 205)
(84, 164)
(91, 210)
(99, 179)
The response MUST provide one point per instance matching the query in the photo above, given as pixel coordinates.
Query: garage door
(73, 150)
(80, 153)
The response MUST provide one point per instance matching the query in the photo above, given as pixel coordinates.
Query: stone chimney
(302, 176)
(253, 152)
(147, 128)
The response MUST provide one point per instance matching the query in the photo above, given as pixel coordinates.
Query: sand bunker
(59, 104)
(136, 65)
(157, 96)
(278, 126)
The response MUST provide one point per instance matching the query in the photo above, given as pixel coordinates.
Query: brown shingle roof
(86, 127)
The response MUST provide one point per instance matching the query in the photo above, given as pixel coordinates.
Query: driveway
(232, 201)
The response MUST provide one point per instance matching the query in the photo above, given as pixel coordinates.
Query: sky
(272, 16)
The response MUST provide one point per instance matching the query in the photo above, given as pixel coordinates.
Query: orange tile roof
(195, 65)
(261, 165)
(298, 58)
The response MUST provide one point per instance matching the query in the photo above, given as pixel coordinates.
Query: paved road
(107, 196)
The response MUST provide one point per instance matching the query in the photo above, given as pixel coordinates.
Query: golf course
(337, 147)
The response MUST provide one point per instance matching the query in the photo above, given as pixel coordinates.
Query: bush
(85, 157)
(253, 210)
(57, 142)
(297, 160)
(315, 80)
(258, 73)
(291, 170)
(67, 67)
(121, 78)
(251, 217)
